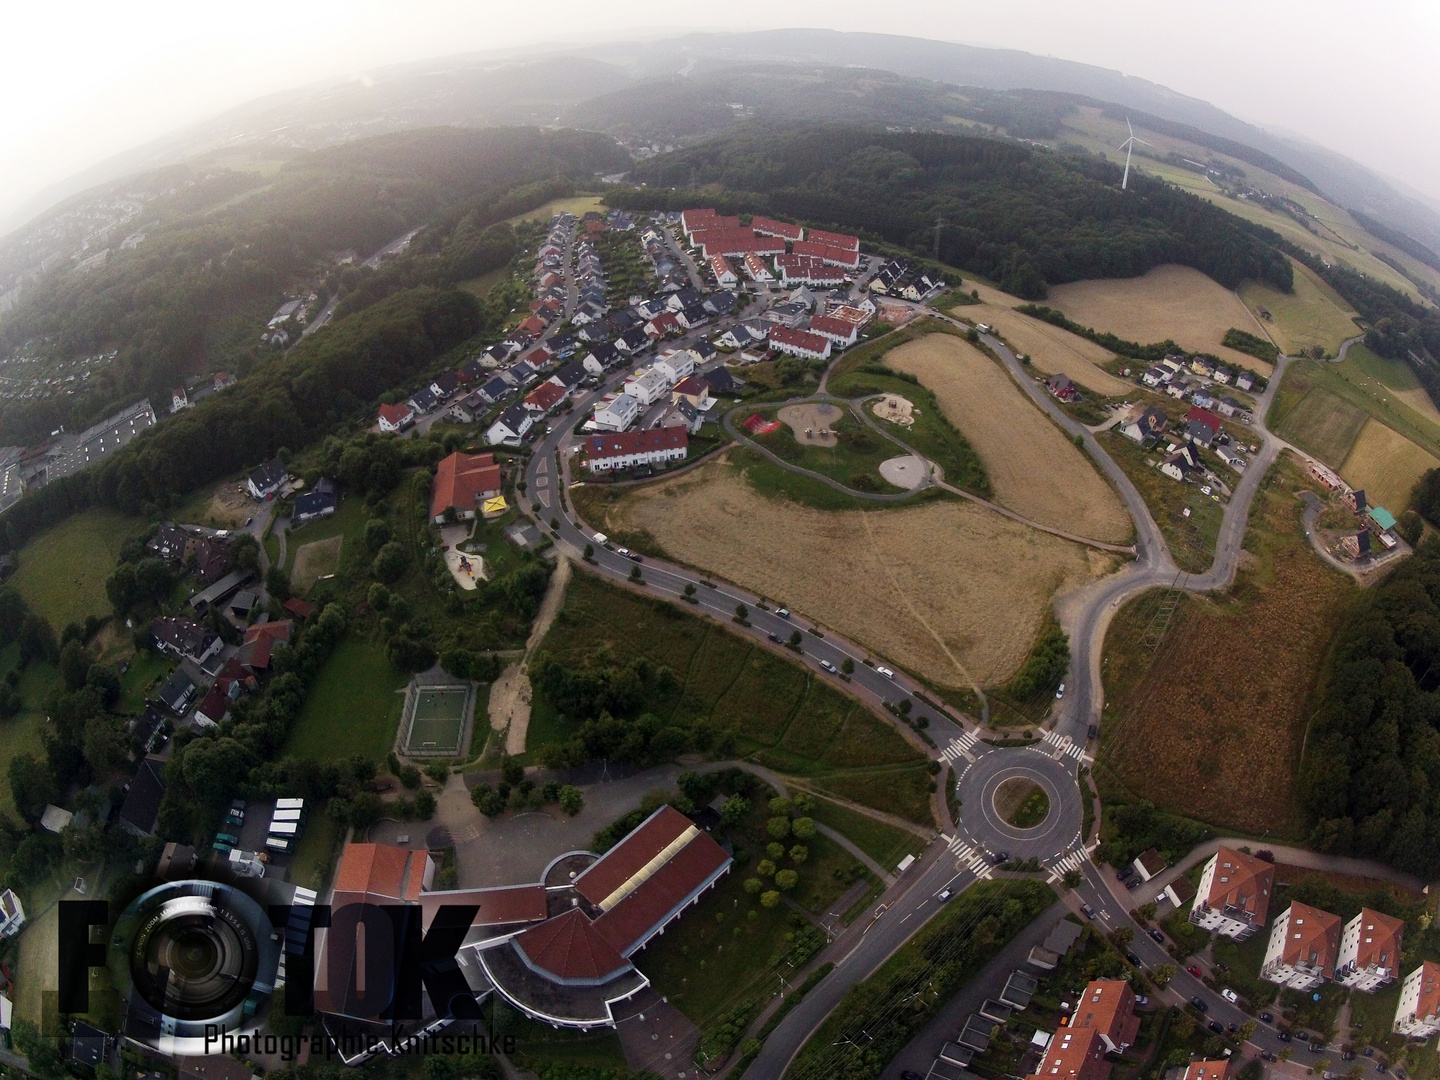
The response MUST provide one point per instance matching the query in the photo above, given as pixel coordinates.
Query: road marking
(1064, 745)
(961, 747)
(968, 857)
(1076, 861)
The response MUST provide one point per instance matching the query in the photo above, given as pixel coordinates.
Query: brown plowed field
(945, 588)
(1034, 469)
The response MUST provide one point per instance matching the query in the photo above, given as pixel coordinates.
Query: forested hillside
(1026, 218)
(1371, 775)
(220, 252)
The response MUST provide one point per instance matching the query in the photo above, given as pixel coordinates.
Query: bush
(487, 800)
(571, 801)
(389, 563)
(803, 828)
(786, 880)
(778, 827)
(424, 805)
(1409, 527)
(769, 899)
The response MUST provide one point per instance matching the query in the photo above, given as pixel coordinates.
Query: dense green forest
(220, 254)
(1370, 780)
(1023, 217)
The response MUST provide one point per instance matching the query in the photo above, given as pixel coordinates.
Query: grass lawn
(1191, 540)
(884, 843)
(347, 521)
(579, 205)
(1365, 385)
(1313, 314)
(315, 852)
(775, 710)
(62, 571)
(854, 460)
(480, 287)
(352, 708)
(146, 668)
(828, 874)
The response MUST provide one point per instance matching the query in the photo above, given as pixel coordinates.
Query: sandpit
(904, 472)
(896, 409)
(463, 567)
(813, 423)
(315, 560)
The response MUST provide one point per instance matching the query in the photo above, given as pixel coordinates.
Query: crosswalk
(1076, 860)
(961, 747)
(1065, 746)
(970, 858)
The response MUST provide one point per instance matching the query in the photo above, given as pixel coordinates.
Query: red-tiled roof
(691, 385)
(835, 239)
(653, 900)
(215, 704)
(1428, 1003)
(1077, 1052)
(1380, 937)
(1312, 937)
(821, 250)
(395, 414)
(299, 608)
(545, 396)
(621, 862)
(1204, 416)
(261, 639)
(495, 907)
(802, 339)
(570, 948)
(777, 228)
(620, 444)
(381, 870)
(1207, 1070)
(460, 479)
(719, 266)
(1243, 882)
(824, 324)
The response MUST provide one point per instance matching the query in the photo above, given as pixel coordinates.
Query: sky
(83, 80)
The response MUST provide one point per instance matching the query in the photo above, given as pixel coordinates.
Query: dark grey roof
(571, 374)
(495, 389)
(220, 590)
(424, 399)
(88, 1044)
(315, 502)
(514, 417)
(177, 691)
(142, 802)
(269, 475)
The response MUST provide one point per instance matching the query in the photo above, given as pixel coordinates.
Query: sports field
(436, 719)
(1313, 314)
(944, 587)
(1170, 302)
(1034, 469)
(1386, 466)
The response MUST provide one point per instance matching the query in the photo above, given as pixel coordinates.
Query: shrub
(778, 827)
(803, 828)
(769, 899)
(786, 880)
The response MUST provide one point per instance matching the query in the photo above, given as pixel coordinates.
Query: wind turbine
(1128, 145)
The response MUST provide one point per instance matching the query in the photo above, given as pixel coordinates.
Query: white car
(1205, 489)
(828, 666)
(623, 551)
(1230, 995)
(1060, 691)
(886, 672)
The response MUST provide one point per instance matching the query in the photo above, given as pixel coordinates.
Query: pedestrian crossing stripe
(1076, 860)
(1066, 746)
(961, 747)
(973, 860)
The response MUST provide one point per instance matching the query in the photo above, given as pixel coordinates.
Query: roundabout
(1021, 802)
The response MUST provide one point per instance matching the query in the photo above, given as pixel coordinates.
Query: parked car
(1194, 969)
(1059, 691)
(1088, 910)
(1316, 1047)
(1217, 1027)
(776, 638)
(634, 556)
(1267, 1018)
(1094, 732)
(1230, 995)
(1200, 1003)
(1348, 1055)
(227, 838)
(783, 612)
(623, 551)
(1268, 1056)
(1157, 935)
(1134, 959)
(1283, 1036)
(1141, 999)
(828, 666)
(886, 672)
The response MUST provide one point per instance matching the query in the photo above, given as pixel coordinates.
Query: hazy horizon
(102, 79)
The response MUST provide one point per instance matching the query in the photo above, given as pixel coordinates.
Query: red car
(1195, 971)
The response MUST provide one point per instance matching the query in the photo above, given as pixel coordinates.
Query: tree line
(1026, 218)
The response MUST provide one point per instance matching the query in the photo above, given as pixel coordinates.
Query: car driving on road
(828, 666)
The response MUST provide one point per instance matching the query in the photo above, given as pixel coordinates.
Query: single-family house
(1233, 897)
(178, 692)
(1369, 951)
(720, 303)
(1355, 500)
(684, 298)
(682, 414)
(1222, 375)
(268, 479)
(601, 357)
(628, 449)
(141, 808)
(721, 381)
(1182, 464)
(545, 397)
(800, 343)
(471, 407)
(396, 418)
(1304, 946)
(423, 401)
(1418, 1014)
(756, 269)
(1155, 377)
(320, 501)
(521, 372)
(1200, 433)
(445, 384)
(260, 642)
(462, 483)
(694, 390)
(495, 389)
(1379, 519)
(692, 317)
(1231, 457)
(1142, 424)
(723, 271)
(569, 375)
(662, 325)
(1062, 388)
(12, 914)
(647, 386)
(171, 543)
(1356, 544)
(511, 426)
(632, 341)
(1244, 381)
(1203, 399)
(617, 412)
(184, 639)
(676, 364)
(1202, 365)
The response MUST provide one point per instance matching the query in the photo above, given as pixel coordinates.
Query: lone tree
(847, 666)
(742, 612)
(795, 639)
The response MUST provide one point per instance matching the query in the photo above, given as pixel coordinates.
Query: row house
(839, 331)
(629, 449)
(800, 343)
(770, 227)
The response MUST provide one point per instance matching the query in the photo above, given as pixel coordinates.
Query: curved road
(969, 851)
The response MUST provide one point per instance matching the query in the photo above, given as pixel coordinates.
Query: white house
(617, 413)
(1140, 423)
(1234, 894)
(627, 449)
(266, 480)
(1369, 951)
(800, 343)
(511, 427)
(648, 386)
(396, 418)
(1418, 1015)
(723, 271)
(757, 270)
(1181, 464)
(1155, 376)
(676, 364)
(839, 331)
(1304, 945)
(12, 914)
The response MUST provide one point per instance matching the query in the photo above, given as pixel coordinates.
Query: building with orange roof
(1234, 894)
(1104, 1022)
(462, 483)
(261, 641)
(1418, 1014)
(1369, 951)
(1207, 1070)
(1304, 946)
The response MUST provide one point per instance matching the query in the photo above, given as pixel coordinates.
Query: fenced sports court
(436, 721)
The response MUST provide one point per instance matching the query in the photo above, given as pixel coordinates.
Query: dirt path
(510, 694)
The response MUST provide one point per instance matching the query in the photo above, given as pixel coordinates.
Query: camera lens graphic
(194, 954)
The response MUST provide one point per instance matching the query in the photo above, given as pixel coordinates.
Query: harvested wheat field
(1173, 302)
(1386, 465)
(1052, 350)
(944, 588)
(1034, 469)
